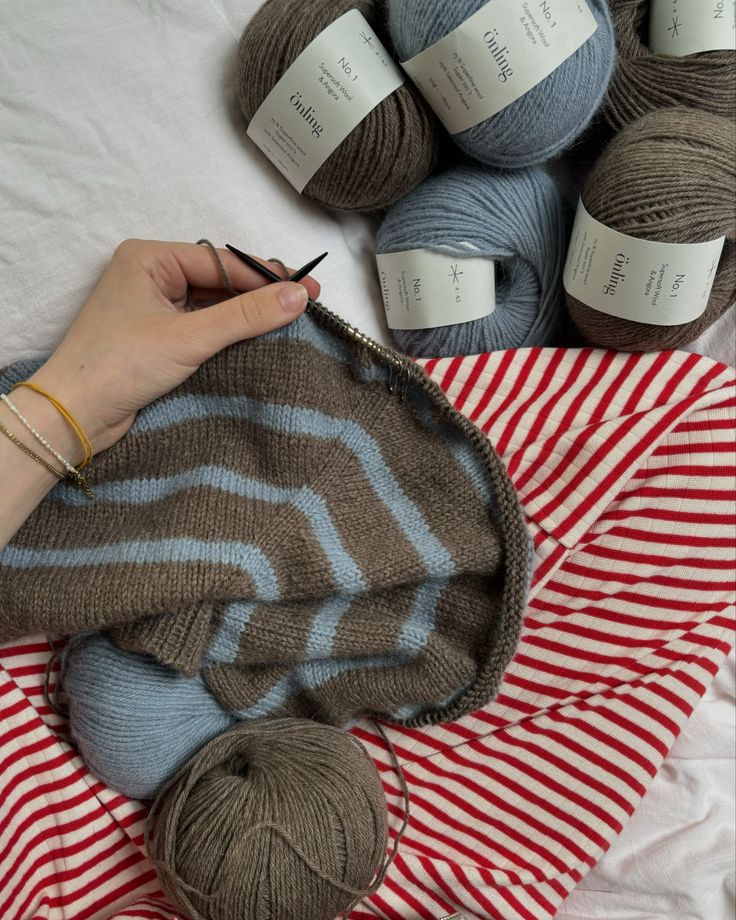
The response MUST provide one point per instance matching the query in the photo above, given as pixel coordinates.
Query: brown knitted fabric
(309, 541)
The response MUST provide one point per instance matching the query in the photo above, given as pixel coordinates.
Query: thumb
(247, 315)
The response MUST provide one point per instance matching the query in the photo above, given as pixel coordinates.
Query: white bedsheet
(117, 119)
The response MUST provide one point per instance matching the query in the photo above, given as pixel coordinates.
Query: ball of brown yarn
(644, 81)
(390, 152)
(281, 819)
(667, 177)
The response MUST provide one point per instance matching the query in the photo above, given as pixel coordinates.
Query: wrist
(26, 480)
(48, 422)
(76, 395)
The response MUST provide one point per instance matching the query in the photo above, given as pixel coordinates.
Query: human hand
(133, 341)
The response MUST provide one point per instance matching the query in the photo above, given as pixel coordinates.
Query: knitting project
(305, 538)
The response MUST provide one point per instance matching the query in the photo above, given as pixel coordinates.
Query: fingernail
(293, 297)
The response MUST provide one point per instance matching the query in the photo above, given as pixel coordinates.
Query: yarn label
(682, 27)
(496, 56)
(329, 89)
(643, 281)
(424, 290)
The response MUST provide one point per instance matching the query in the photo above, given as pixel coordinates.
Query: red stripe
(658, 559)
(589, 754)
(671, 385)
(675, 515)
(566, 422)
(549, 564)
(25, 648)
(471, 382)
(626, 578)
(708, 424)
(443, 817)
(29, 670)
(39, 791)
(27, 750)
(442, 885)
(100, 881)
(419, 908)
(637, 394)
(541, 417)
(689, 470)
(546, 377)
(610, 715)
(451, 372)
(577, 774)
(517, 386)
(676, 494)
(479, 897)
(54, 828)
(596, 461)
(689, 448)
(493, 385)
(633, 534)
(546, 780)
(529, 820)
(66, 853)
(615, 387)
(605, 739)
(610, 617)
(431, 365)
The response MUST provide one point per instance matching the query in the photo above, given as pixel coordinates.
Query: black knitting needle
(272, 276)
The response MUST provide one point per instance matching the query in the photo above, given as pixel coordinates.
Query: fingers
(246, 316)
(176, 265)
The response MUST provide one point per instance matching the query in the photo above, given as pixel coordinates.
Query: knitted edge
(517, 557)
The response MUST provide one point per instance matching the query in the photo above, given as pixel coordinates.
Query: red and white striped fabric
(625, 465)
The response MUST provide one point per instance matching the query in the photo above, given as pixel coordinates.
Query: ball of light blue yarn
(543, 122)
(136, 722)
(518, 219)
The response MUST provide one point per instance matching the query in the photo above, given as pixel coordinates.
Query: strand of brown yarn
(644, 81)
(667, 177)
(60, 648)
(52, 698)
(276, 819)
(392, 150)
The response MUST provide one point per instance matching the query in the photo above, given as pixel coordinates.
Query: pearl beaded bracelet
(72, 473)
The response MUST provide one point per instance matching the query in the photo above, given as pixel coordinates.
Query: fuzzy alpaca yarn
(392, 150)
(276, 820)
(644, 81)
(667, 177)
(546, 120)
(519, 220)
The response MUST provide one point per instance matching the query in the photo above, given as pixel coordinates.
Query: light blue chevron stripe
(240, 555)
(306, 330)
(461, 449)
(226, 644)
(322, 635)
(419, 624)
(413, 709)
(464, 452)
(310, 674)
(345, 570)
(296, 420)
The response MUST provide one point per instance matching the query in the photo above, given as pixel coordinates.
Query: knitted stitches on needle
(284, 525)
